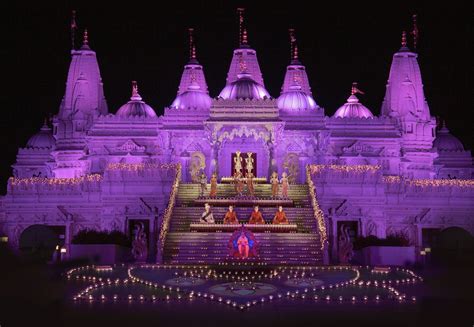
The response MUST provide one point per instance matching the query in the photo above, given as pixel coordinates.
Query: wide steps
(213, 248)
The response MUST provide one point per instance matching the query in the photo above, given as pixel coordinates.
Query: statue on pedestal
(250, 186)
(249, 163)
(284, 185)
(203, 184)
(345, 246)
(274, 181)
(139, 243)
(213, 192)
(238, 162)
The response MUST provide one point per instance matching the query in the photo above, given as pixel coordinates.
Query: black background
(339, 42)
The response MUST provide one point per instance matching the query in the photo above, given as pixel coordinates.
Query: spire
(404, 94)
(73, 29)
(84, 88)
(293, 47)
(85, 41)
(415, 32)
(295, 71)
(193, 74)
(192, 47)
(135, 95)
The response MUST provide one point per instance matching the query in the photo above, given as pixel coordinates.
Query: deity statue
(256, 217)
(284, 185)
(213, 192)
(280, 217)
(203, 183)
(243, 246)
(249, 162)
(237, 162)
(238, 183)
(274, 181)
(345, 246)
(231, 217)
(207, 217)
(139, 243)
(250, 186)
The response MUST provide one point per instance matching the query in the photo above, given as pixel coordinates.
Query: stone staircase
(185, 247)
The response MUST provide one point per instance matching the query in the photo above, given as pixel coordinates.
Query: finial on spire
(240, 11)
(192, 46)
(293, 45)
(355, 89)
(404, 39)
(85, 40)
(244, 37)
(73, 29)
(135, 95)
(415, 32)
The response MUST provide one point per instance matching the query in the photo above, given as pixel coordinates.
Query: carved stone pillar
(214, 167)
(271, 159)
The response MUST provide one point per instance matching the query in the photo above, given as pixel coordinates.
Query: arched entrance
(453, 245)
(38, 242)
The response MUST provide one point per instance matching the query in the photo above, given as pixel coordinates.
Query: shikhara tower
(127, 151)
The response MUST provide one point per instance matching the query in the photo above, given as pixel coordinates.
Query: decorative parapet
(348, 169)
(89, 183)
(135, 171)
(318, 213)
(398, 183)
(169, 209)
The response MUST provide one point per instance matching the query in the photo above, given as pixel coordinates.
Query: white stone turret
(405, 101)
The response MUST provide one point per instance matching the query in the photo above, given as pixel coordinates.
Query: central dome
(295, 100)
(244, 88)
(353, 109)
(193, 97)
(136, 107)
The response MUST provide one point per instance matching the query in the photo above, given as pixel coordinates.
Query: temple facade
(106, 170)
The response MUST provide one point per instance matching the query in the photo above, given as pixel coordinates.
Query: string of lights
(318, 213)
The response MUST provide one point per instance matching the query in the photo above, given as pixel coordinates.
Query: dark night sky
(339, 43)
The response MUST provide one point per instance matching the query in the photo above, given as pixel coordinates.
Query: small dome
(43, 139)
(194, 97)
(136, 107)
(353, 109)
(445, 141)
(244, 88)
(295, 99)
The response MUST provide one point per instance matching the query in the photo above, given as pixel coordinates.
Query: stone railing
(400, 184)
(318, 213)
(169, 210)
(137, 171)
(88, 183)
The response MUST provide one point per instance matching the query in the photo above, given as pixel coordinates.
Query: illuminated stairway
(185, 247)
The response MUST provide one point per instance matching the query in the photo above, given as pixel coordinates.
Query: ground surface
(39, 295)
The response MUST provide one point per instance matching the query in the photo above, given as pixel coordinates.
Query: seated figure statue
(207, 217)
(256, 217)
(243, 246)
(280, 217)
(230, 216)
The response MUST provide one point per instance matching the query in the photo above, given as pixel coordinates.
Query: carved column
(214, 167)
(271, 159)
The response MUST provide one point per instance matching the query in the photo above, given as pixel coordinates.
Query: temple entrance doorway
(258, 162)
(244, 163)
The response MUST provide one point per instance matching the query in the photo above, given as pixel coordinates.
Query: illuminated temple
(388, 173)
